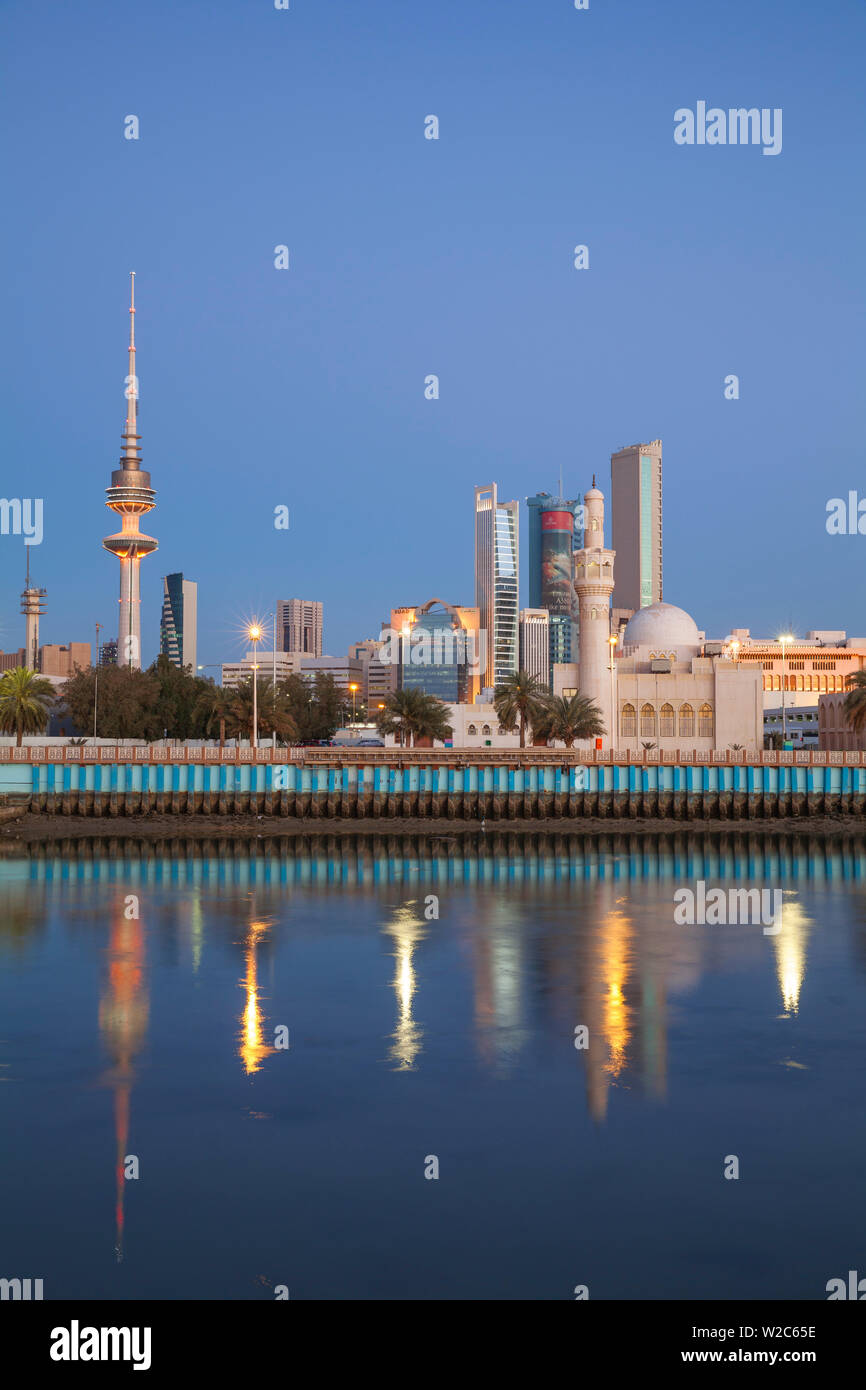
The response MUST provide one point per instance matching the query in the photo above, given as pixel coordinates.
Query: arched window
(472, 730)
(666, 721)
(777, 683)
(822, 682)
(687, 721)
(485, 729)
(647, 722)
(799, 682)
(705, 721)
(628, 721)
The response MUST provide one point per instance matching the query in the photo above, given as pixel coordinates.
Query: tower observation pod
(131, 496)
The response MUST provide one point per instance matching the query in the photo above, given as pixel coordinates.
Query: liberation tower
(593, 582)
(33, 608)
(130, 495)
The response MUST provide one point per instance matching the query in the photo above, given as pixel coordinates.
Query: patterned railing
(177, 753)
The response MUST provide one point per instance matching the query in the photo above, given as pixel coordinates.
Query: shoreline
(47, 828)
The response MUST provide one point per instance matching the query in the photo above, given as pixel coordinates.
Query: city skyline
(455, 267)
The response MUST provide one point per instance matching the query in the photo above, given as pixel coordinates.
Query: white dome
(661, 625)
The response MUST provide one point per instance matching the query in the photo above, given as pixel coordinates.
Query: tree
(411, 714)
(178, 705)
(854, 707)
(127, 705)
(519, 701)
(25, 702)
(569, 718)
(273, 712)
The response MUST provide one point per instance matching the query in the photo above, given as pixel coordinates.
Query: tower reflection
(123, 1016)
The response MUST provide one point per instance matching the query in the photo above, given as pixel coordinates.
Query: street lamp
(785, 638)
(612, 641)
(95, 678)
(254, 632)
(353, 688)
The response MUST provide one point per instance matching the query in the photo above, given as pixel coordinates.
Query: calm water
(413, 1037)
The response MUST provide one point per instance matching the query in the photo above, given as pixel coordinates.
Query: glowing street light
(254, 632)
(353, 688)
(783, 639)
(612, 641)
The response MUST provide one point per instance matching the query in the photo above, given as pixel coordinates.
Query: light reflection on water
(460, 968)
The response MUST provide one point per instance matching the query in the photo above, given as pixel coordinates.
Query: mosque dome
(661, 625)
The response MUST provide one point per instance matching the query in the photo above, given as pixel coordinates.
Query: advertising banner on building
(557, 565)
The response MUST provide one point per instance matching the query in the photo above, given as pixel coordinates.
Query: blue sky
(409, 256)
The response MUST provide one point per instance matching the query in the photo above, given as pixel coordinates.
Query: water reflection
(123, 1016)
(790, 947)
(252, 1046)
(406, 929)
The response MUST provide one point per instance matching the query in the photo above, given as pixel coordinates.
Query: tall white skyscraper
(535, 643)
(496, 582)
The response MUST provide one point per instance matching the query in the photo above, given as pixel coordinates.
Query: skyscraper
(636, 499)
(131, 496)
(299, 626)
(552, 542)
(178, 625)
(535, 643)
(496, 571)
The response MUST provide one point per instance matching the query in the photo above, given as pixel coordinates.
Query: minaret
(593, 581)
(33, 607)
(130, 495)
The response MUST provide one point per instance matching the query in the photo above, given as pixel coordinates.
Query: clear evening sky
(408, 257)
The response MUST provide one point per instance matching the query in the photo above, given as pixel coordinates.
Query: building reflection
(123, 1017)
(406, 929)
(252, 1048)
(498, 978)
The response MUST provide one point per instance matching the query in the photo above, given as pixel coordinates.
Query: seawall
(535, 784)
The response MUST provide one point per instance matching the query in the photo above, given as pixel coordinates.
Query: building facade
(179, 623)
(496, 582)
(834, 732)
(554, 536)
(535, 643)
(636, 502)
(670, 694)
(286, 664)
(299, 626)
(436, 647)
(804, 668)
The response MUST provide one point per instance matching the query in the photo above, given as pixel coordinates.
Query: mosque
(655, 682)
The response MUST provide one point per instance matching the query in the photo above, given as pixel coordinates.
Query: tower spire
(131, 448)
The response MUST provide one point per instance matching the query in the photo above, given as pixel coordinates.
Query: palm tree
(411, 714)
(854, 707)
(518, 701)
(25, 701)
(570, 717)
(274, 710)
